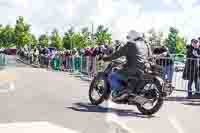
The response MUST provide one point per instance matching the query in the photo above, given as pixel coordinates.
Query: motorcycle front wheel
(99, 86)
(153, 93)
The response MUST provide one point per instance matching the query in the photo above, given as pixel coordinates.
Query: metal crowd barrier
(87, 66)
(183, 74)
(84, 66)
(3, 59)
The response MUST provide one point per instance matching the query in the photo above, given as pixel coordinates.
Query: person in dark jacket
(136, 53)
(191, 70)
(117, 45)
(165, 61)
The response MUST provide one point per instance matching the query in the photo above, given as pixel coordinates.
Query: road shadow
(86, 107)
(182, 99)
(192, 104)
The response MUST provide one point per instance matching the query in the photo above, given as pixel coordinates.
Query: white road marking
(10, 86)
(34, 127)
(175, 124)
(116, 125)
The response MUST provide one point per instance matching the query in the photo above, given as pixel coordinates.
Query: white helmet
(133, 35)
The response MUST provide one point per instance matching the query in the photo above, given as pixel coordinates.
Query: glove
(105, 59)
(100, 58)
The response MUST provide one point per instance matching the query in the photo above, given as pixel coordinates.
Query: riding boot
(132, 86)
(120, 94)
(134, 90)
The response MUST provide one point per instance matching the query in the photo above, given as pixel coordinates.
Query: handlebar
(117, 61)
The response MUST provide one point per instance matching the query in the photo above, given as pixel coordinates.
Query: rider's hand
(105, 59)
(100, 58)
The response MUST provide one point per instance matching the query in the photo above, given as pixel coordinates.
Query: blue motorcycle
(149, 98)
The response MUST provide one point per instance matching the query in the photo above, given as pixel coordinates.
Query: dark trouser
(190, 82)
(41, 60)
(135, 82)
(168, 72)
(46, 61)
(34, 58)
(124, 76)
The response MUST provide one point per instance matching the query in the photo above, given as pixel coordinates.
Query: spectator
(165, 61)
(191, 70)
(36, 55)
(63, 60)
(46, 53)
(117, 44)
(67, 56)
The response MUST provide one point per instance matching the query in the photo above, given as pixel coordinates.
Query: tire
(158, 105)
(92, 87)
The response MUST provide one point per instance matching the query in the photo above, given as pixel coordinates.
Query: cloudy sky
(119, 15)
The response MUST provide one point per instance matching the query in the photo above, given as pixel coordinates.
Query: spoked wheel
(97, 91)
(153, 92)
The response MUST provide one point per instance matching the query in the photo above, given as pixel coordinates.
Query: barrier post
(81, 66)
(92, 67)
(3, 60)
(77, 65)
(70, 64)
(85, 69)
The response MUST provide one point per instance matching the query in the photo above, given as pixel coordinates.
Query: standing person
(191, 70)
(117, 44)
(36, 55)
(67, 56)
(46, 53)
(165, 61)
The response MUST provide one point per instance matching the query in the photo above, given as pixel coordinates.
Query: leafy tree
(78, 40)
(180, 45)
(71, 31)
(172, 40)
(66, 41)
(87, 36)
(102, 35)
(56, 40)
(85, 30)
(73, 39)
(22, 32)
(33, 40)
(44, 40)
(155, 39)
(7, 36)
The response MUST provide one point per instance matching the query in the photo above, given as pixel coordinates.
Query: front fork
(107, 84)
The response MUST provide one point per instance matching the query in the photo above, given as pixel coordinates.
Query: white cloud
(186, 4)
(119, 15)
(168, 2)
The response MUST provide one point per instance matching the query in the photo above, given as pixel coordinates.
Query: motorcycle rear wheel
(159, 99)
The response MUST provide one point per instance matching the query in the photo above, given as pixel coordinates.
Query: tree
(56, 40)
(85, 30)
(87, 36)
(102, 35)
(7, 36)
(43, 40)
(171, 41)
(155, 39)
(33, 40)
(66, 41)
(78, 40)
(180, 45)
(22, 32)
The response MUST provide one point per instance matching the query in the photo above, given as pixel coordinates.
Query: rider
(136, 53)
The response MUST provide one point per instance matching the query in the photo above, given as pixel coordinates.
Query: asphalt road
(48, 101)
